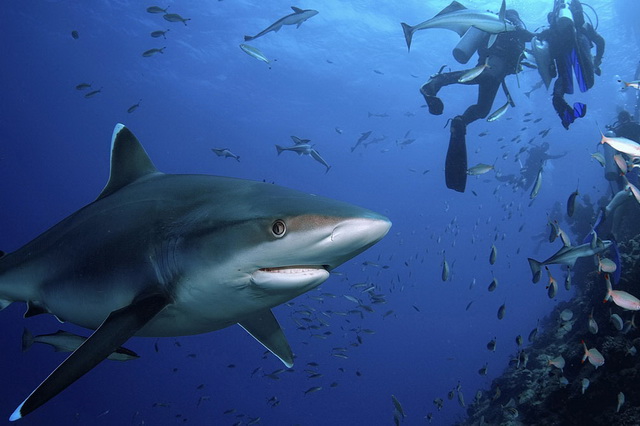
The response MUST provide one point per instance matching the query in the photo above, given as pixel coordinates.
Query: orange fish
(606, 265)
(595, 357)
(621, 298)
(634, 84)
(624, 145)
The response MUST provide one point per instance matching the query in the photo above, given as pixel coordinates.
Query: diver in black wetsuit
(503, 59)
(625, 127)
(570, 40)
(537, 157)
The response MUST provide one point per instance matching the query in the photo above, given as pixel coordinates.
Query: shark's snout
(352, 236)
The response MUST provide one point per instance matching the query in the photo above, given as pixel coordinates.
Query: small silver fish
(157, 9)
(479, 169)
(151, 52)
(254, 53)
(474, 72)
(93, 93)
(134, 107)
(536, 185)
(499, 112)
(174, 17)
(159, 33)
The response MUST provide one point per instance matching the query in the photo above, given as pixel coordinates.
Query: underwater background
(344, 72)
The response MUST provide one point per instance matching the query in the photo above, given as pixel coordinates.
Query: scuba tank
(563, 18)
(563, 11)
(469, 44)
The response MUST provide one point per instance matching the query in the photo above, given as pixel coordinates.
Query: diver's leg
(561, 106)
(566, 113)
(430, 89)
(487, 90)
(455, 169)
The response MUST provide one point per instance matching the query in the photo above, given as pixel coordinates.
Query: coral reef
(537, 393)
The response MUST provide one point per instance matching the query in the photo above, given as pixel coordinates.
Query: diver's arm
(525, 35)
(599, 42)
(553, 157)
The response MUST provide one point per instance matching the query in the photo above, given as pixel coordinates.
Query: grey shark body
(296, 18)
(302, 147)
(170, 255)
(568, 255)
(458, 18)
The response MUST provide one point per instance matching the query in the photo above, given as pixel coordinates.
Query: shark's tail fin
(248, 38)
(280, 149)
(408, 34)
(535, 269)
(27, 339)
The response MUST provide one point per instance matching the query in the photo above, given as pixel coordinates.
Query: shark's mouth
(290, 276)
(300, 269)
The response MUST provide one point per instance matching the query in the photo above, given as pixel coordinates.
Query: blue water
(204, 92)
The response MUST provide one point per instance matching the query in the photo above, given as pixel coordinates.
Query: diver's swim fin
(579, 110)
(455, 169)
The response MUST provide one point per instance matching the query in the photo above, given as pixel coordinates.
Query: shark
(160, 254)
(568, 255)
(302, 147)
(296, 18)
(458, 18)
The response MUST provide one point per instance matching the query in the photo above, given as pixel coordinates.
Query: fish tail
(280, 149)
(248, 38)
(408, 34)
(535, 269)
(27, 339)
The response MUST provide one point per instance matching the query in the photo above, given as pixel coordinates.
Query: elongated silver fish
(254, 52)
(499, 112)
(536, 185)
(63, 341)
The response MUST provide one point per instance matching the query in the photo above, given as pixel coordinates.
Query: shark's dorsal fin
(264, 327)
(453, 6)
(129, 161)
(296, 9)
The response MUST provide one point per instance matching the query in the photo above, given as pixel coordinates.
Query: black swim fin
(455, 169)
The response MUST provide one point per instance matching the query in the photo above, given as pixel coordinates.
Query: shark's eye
(278, 229)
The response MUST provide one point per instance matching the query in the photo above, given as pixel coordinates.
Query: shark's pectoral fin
(119, 326)
(264, 327)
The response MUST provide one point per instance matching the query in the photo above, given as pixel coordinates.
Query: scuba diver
(537, 156)
(625, 127)
(569, 39)
(495, 62)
